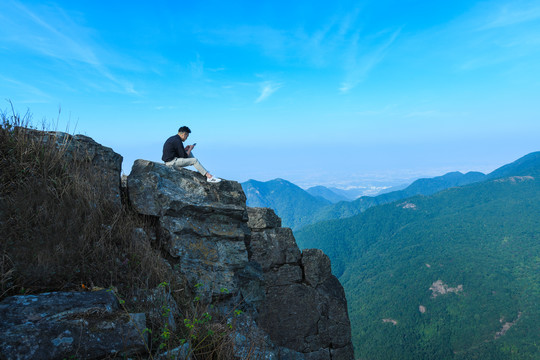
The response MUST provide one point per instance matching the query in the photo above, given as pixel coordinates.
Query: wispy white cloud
(317, 47)
(359, 65)
(267, 89)
(512, 14)
(34, 33)
(387, 110)
(197, 67)
(427, 114)
(35, 93)
(272, 42)
(165, 107)
(494, 34)
(348, 22)
(49, 32)
(337, 44)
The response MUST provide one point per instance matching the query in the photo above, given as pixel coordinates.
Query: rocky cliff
(233, 258)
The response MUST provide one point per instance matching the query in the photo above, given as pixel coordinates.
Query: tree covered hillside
(427, 186)
(328, 194)
(298, 208)
(291, 203)
(455, 275)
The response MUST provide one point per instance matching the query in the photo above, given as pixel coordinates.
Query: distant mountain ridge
(299, 208)
(526, 165)
(290, 202)
(327, 193)
(453, 275)
(426, 186)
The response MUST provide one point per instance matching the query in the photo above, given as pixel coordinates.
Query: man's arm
(180, 149)
(188, 149)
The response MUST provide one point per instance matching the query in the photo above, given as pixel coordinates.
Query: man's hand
(188, 149)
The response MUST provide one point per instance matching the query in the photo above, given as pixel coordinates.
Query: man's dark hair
(184, 129)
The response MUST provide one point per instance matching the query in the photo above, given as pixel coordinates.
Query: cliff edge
(237, 261)
(213, 239)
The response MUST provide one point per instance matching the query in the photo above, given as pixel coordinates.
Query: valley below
(452, 274)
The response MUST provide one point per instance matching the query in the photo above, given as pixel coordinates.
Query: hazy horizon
(380, 180)
(318, 94)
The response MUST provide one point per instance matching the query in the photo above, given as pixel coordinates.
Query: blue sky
(309, 91)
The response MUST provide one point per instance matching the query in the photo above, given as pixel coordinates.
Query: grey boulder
(87, 325)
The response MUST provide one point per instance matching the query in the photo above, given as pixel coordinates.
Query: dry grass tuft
(58, 229)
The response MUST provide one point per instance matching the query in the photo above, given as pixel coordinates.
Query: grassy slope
(483, 236)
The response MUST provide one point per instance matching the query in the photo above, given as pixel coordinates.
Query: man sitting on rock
(175, 155)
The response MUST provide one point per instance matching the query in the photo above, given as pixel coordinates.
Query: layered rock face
(231, 256)
(203, 226)
(305, 307)
(218, 242)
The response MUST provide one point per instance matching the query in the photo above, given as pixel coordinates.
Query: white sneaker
(213, 179)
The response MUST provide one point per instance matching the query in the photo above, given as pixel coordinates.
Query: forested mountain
(326, 193)
(393, 188)
(293, 204)
(527, 165)
(349, 194)
(421, 186)
(298, 208)
(455, 275)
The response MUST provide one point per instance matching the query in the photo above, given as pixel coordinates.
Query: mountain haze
(319, 204)
(418, 187)
(349, 194)
(284, 197)
(326, 193)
